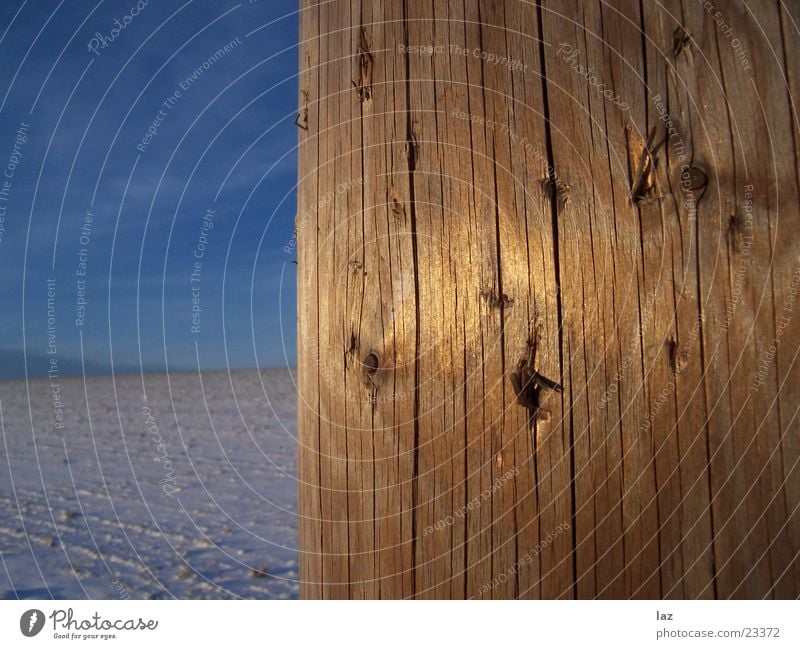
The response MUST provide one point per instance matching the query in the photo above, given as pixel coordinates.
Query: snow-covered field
(155, 487)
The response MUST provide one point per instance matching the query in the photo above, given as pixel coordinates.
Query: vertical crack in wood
(554, 210)
(672, 354)
(411, 143)
(371, 364)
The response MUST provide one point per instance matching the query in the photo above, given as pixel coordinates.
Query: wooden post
(547, 259)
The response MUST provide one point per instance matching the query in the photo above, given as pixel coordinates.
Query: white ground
(86, 511)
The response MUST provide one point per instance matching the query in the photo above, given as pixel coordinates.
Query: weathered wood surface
(495, 197)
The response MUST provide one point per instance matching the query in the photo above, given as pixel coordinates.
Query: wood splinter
(643, 180)
(528, 383)
(680, 40)
(366, 60)
(677, 362)
(556, 190)
(497, 300)
(396, 203)
(301, 120)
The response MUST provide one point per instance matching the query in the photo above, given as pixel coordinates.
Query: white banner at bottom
(398, 624)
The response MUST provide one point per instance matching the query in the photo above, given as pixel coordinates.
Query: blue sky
(142, 119)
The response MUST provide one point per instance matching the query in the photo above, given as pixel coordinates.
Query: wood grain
(544, 257)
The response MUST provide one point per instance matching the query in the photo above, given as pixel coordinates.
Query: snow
(159, 486)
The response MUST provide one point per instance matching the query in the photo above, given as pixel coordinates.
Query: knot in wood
(371, 363)
(696, 179)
